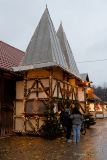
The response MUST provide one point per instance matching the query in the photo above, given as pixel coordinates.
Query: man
(66, 122)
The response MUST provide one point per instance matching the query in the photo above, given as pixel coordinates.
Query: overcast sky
(84, 22)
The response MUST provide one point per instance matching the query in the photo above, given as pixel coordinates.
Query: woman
(77, 119)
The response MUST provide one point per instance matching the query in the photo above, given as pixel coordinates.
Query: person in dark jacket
(77, 119)
(66, 123)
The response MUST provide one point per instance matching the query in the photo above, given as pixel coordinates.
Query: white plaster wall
(19, 124)
(19, 90)
(19, 107)
(81, 96)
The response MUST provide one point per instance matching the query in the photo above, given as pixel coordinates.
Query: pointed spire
(46, 6)
(61, 23)
(67, 51)
(46, 9)
(44, 47)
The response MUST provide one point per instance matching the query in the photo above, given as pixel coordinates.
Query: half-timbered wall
(36, 91)
(81, 98)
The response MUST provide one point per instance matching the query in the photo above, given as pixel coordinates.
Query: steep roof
(66, 49)
(44, 48)
(9, 56)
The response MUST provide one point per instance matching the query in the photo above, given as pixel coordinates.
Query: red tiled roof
(9, 56)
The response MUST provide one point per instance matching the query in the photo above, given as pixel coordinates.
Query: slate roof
(44, 48)
(47, 50)
(66, 49)
(9, 56)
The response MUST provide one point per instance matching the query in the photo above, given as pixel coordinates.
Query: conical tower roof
(44, 48)
(66, 49)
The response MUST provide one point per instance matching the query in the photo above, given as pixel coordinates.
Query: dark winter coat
(65, 119)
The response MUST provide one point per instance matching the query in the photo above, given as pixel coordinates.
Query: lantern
(89, 91)
(85, 83)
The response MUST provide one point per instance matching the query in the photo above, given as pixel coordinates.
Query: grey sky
(84, 22)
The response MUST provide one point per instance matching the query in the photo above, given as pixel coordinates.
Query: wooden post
(0, 102)
(25, 97)
(50, 89)
(64, 88)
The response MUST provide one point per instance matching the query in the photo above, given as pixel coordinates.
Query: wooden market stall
(7, 85)
(50, 77)
(82, 91)
(95, 105)
(8, 55)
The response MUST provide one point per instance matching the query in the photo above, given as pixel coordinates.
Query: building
(44, 78)
(9, 57)
(51, 78)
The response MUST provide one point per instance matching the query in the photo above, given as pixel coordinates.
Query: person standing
(77, 119)
(66, 123)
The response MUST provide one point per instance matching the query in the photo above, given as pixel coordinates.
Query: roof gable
(67, 51)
